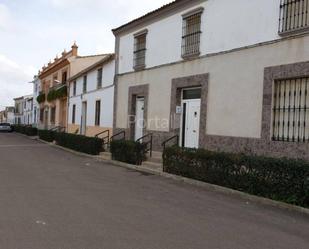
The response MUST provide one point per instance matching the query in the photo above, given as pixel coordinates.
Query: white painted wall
(105, 94)
(36, 106)
(235, 94)
(226, 25)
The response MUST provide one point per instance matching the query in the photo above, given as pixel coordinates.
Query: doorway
(84, 119)
(139, 117)
(190, 123)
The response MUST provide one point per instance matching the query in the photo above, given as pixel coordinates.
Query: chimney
(74, 49)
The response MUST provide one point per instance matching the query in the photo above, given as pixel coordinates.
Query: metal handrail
(104, 138)
(147, 143)
(170, 139)
(117, 134)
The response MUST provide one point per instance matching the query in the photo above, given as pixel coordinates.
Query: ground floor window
(97, 112)
(42, 115)
(53, 115)
(291, 110)
(73, 113)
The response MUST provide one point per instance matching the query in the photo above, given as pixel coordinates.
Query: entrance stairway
(153, 163)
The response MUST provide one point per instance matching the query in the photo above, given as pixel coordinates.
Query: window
(191, 33)
(64, 77)
(140, 50)
(52, 115)
(99, 78)
(74, 88)
(55, 78)
(85, 84)
(192, 93)
(294, 15)
(73, 113)
(97, 112)
(291, 110)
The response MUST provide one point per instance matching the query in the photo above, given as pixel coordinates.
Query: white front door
(84, 119)
(191, 123)
(139, 118)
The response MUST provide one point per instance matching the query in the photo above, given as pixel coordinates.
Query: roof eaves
(153, 14)
(104, 60)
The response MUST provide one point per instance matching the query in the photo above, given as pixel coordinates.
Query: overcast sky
(34, 31)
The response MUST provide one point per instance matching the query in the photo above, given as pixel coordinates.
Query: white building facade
(28, 110)
(91, 99)
(36, 106)
(217, 74)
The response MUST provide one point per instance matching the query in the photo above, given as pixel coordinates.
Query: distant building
(54, 86)
(19, 110)
(28, 110)
(23, 110)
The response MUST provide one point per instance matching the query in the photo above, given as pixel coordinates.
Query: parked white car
(6, 127)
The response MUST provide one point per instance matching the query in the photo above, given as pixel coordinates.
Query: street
(52, 199)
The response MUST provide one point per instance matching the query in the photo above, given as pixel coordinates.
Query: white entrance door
(139, 118)
(191, 123)
(84, 119)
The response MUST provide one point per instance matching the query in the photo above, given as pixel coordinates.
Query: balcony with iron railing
(294, 16)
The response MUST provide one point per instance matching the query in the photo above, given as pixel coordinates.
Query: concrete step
(152, 166)
(106, 155)
(156, 157)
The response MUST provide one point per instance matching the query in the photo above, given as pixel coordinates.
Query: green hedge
(47, 135)
(27, 130)
(89, 145)
(57, 93)
(279, 179)
(127, 151)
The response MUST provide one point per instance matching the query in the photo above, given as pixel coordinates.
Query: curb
(204, 185)
(216, 188)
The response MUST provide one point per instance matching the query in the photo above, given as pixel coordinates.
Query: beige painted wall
(234, 105)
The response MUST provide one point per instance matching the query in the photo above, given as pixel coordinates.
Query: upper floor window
(99, 78)
(85, 84)
(74, 88)
(294, 15)
(140, 50)
(55, 78)
(291, 110)
(191, 33)
(64, 77)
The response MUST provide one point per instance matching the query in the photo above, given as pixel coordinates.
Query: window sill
(190, 56)
(294, 32)
(139, 68)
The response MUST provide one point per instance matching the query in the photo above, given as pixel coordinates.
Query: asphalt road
(53, 199)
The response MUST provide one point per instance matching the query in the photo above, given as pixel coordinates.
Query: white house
(91, 98)
(28, 110)
(222, 75)
(23, 110)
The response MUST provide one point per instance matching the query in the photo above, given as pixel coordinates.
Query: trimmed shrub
(27, 130)
(128, 151)
(31, 131)
(283, 179)
(47, 135)
(89, 145)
